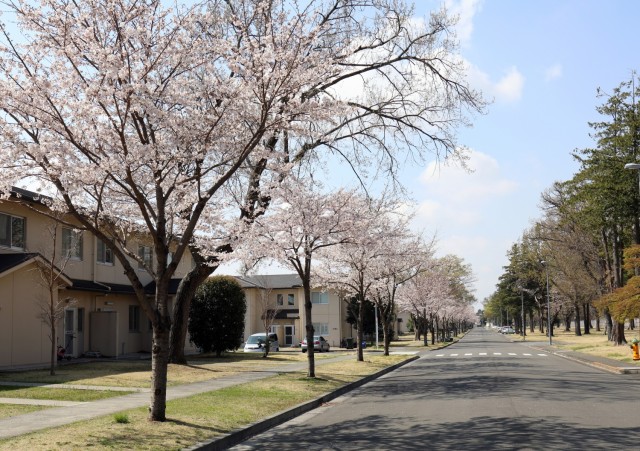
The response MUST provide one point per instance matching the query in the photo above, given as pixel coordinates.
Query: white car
(319, 344)
(256, 343)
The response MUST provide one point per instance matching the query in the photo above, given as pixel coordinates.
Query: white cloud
(465, 10)
(453, 184)
(553, 72)
(508, 89)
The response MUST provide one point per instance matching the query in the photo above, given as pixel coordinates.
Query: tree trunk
(306, 286)
(618, 334)
(181, 308)
(587, 319)
(53, 350)
(159, 367)
(576, 307)
(531, 323)
(608, 325)
(360, 332)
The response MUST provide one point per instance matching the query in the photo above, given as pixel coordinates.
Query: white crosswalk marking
(470, 354)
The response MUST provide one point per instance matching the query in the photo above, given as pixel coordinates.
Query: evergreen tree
(216, 320)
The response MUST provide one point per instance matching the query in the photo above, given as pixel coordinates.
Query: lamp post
(522, 325)
(546, 267)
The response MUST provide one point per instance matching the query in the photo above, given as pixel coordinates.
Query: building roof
(99, 287)
(9, 261)
(272, 281)
(116, 288)
(14, 261)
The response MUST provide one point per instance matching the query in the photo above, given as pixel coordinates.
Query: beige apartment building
(284, 297)
(102, 314)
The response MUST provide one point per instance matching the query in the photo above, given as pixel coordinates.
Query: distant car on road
(507, 330)
(319, 344)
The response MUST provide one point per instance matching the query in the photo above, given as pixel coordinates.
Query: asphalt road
(483, 393)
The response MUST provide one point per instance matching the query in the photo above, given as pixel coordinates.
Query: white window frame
(320, 297)
(11, 244)
(134, 319)
(146, 255)
(72, 245)
(104, 254)
(321, 329)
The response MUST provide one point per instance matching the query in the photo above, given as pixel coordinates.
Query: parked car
(507, 330)
(256, 342)
(319, 344)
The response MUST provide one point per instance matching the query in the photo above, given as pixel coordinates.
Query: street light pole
(522, 325)
(546, 267)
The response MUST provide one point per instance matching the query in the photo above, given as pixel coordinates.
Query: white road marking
(526, 354)
(497, 353)
(542, 355)
(453, 355)
(483, 353)
(512, 353)
(468, 353)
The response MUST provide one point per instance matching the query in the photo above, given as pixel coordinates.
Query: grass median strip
(11, 410)
(202, 417)
(56, 394)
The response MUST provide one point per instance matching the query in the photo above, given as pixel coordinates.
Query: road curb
(240, 435)
(599, 365)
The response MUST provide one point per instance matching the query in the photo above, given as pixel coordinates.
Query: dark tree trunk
(618, 334)
(360, 332)
(576, 307)
(186, 291)
(587, 319)
(159, 367)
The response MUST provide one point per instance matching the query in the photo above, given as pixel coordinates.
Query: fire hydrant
(634, 347)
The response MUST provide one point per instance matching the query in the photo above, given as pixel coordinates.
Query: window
(12, 231)
(321, 328)
(291, 299)
(80, 320)
(72, 243)
(146, 255)
(134, 318)
(104, 254)
(279, 299)
(318, 297)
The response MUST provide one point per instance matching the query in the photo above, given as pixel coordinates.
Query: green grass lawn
(202, 417)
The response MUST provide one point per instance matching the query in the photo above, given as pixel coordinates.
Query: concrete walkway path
(65, 414)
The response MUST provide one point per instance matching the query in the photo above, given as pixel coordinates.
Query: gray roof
(273, 281)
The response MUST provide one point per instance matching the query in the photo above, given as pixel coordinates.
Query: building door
(289, 333)
(70, 331)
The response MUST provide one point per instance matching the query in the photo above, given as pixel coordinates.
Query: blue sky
(541, 62)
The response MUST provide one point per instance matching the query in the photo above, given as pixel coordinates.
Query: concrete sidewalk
(59, 416)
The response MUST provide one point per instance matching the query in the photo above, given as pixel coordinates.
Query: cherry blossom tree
(304, 223)
(439, 296)
(401, 257)
(141, 118)
(364, 266)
